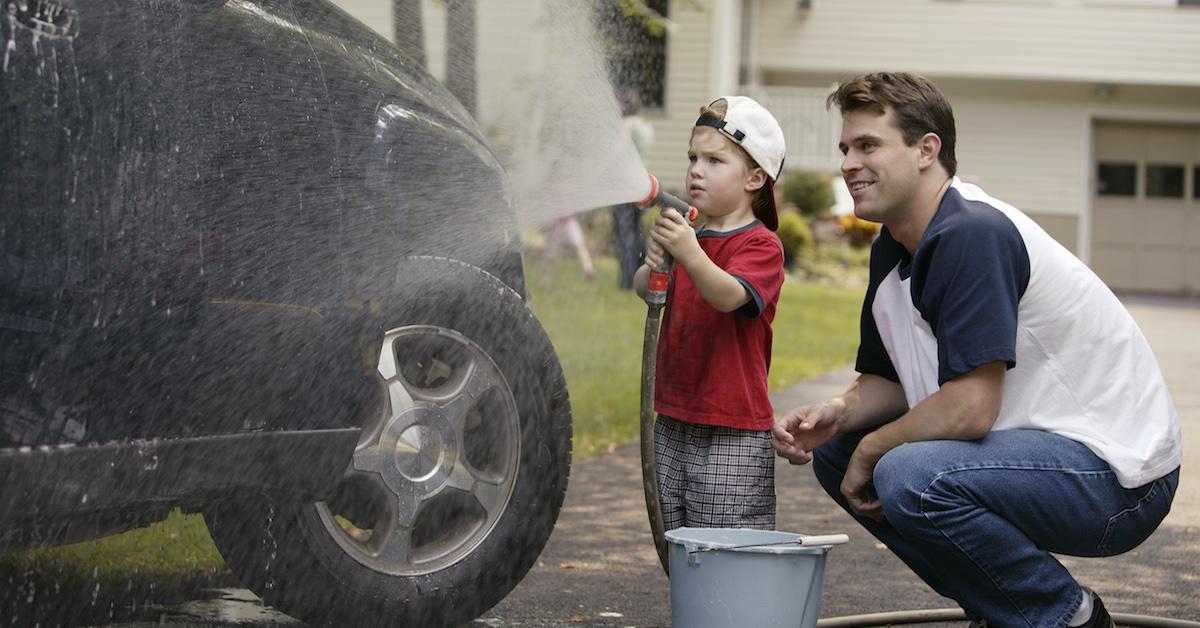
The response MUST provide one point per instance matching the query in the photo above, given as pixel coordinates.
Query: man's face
(879, 168)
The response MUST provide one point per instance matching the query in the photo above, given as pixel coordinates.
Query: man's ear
(756, 179)
(931, 147)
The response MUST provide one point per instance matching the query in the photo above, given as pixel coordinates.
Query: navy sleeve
(968, 276)
(873, 357)
(758, 266)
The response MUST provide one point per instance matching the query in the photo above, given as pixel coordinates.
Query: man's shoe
(1100, 617)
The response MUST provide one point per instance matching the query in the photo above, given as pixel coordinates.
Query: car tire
(455, 485)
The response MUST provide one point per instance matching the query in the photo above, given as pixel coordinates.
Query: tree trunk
(460, 51)
(409, 29)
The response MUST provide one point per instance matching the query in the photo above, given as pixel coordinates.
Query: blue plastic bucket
(738, 578)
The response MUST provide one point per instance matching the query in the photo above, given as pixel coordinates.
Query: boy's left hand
(675, 235)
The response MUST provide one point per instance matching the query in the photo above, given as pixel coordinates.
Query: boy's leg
(670, 447)
(986, 514)
(731, 479)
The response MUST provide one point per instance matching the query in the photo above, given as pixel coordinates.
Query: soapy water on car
(559, 136)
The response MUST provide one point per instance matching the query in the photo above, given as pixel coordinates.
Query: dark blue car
(256, 263)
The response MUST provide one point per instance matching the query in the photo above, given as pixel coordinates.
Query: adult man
(1007, 405)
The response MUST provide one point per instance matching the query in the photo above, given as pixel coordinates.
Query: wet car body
(221, 224)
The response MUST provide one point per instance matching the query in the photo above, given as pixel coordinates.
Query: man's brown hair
(919, 105)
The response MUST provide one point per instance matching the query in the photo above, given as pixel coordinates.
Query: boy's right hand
(800, 432)
(672, 232)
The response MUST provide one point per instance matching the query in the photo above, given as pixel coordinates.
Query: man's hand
(799, 432)
(856, 485)
(672, 232)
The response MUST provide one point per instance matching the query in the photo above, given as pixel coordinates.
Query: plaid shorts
(714, 477)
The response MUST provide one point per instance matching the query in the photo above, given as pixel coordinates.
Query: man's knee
(901, 478)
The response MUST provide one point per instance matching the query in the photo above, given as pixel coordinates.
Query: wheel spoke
(479, 379)
(373, 458)
(396, 548)
(401, 510)
(462, 477)
(492, 494)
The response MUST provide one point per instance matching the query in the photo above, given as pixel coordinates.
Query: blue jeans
(978, 520)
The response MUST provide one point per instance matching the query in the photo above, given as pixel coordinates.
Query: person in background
(563, 232)
(627, 217)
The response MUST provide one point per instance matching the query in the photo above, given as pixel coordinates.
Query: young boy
(712, 443)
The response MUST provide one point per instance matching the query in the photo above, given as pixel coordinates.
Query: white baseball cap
(753, 128)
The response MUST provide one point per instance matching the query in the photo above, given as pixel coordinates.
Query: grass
(168, 562)
(597, 332)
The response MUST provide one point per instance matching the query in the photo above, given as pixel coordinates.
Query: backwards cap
(753, 128)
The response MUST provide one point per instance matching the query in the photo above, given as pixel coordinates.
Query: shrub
(859, 232)
(811, 192)
(795, 234)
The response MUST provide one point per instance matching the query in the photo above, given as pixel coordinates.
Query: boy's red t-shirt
(712, 366)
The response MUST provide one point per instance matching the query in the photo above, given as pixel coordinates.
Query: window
(1164, 180)
(635, 42)
(1116, 179)
(1196, 182)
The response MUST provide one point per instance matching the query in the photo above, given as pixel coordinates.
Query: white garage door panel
(1144, 242)
(1115, 264)
(1161, 270)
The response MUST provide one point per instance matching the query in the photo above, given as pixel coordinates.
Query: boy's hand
(654, 254)
(799, 432)
(674, 234)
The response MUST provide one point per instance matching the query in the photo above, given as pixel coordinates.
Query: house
(1085, 114)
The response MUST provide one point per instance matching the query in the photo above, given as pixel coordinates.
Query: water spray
(656, 298)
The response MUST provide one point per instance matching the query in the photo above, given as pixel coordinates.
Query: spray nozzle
(659, 197)
(656, 289)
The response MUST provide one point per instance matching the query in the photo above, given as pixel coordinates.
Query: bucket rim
(692, 540)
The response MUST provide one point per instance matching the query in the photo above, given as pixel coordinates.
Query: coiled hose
(929, 616)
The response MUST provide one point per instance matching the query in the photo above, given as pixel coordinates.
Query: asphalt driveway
(600, 568)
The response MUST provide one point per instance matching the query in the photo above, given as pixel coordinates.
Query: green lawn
(597, 332)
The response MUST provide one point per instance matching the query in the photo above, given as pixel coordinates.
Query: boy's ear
(756, 179)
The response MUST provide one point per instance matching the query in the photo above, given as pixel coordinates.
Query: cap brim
(769, 216)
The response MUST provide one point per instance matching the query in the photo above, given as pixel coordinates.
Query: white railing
(810, 131)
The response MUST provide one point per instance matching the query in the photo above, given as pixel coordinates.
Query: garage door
(1146, 207)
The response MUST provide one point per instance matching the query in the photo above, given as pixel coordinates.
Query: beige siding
(1063, 40)
(1030, 153)
(374, 13)
(688, 77)
(1065, 229)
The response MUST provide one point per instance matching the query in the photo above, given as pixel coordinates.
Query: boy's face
(719, 181)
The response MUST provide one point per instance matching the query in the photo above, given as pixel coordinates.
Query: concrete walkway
(600, 568)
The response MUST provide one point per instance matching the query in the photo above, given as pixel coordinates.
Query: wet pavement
(600, 568)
